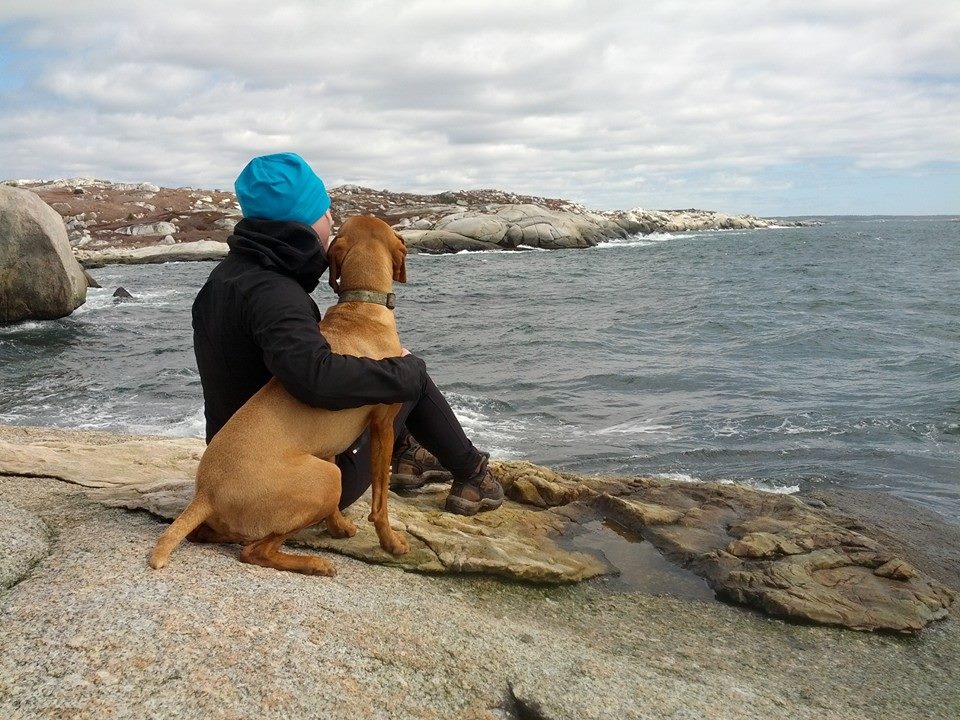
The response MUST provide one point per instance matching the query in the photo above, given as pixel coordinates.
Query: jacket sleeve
(282, 322)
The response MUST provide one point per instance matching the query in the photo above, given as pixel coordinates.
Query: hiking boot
(479, 493)
(414, 466)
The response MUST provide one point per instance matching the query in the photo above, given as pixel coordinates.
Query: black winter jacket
(254, 318)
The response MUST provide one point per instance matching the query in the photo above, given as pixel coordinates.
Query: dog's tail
(191, 518)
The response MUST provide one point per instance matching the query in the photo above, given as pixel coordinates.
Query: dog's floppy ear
(399, 253)
(335, 253)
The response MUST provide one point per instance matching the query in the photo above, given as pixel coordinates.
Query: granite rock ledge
(773, 552)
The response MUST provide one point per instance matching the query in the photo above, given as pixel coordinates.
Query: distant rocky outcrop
(39, 277)
(163, 252)
(773, 552)
(106, 221)
(507, 227)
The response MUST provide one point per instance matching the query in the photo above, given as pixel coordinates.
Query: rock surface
(164, 252)
(108, 216)
(769, 551)
(91, 631)
(39, 277)
(24, 541)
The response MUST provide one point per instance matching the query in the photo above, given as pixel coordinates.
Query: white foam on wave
(635, 427)
(802, 424)
(759, 485)
(678, 477)
(763, 486)
(194, 425)
(642, 240)
(25, 326)
(496, 435)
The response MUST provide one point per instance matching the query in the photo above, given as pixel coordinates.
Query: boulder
(39, 277)
(484, 228)
(121, 293)
(159, 228)
(160, 253)
(91, 281)
(441, 241)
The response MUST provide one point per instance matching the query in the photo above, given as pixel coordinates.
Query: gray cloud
(610, 103)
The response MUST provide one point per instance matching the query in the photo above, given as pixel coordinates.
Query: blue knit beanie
(281, 187)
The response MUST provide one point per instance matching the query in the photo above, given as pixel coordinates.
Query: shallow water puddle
(640, 565)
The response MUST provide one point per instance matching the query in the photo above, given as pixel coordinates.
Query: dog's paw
(320, 566)
(394, 544)
(341, 528)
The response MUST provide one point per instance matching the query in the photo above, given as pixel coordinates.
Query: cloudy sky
(836, 106)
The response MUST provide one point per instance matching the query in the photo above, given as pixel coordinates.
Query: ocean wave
(761, 485)
(764, 486)
(634, 427)
(805, 424)
(488, 425)
(642, 240)
(677, 477)
(25, 326)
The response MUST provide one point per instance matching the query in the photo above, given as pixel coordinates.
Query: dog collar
(369, 296)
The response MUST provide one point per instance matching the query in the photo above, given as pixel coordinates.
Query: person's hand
(404, 352)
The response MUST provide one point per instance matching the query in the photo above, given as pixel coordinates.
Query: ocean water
(788, 359)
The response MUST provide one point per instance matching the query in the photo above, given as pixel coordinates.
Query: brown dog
(263, 476)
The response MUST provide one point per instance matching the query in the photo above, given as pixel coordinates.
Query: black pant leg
(355, 470)
(432, 422)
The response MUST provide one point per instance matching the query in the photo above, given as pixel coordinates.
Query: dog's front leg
(381, 450)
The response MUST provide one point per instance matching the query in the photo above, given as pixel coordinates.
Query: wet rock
(121, 294)
(47, 283)
(91, 281)
(778, 554)
(631, 513)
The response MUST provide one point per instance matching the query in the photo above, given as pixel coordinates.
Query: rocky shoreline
(109, 223)
(209, 635)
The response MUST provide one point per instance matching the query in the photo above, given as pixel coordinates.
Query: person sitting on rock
(254, 319)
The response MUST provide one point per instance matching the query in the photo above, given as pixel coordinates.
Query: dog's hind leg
(381, 449)
(307, 492)
(205, 534)
(267, 553)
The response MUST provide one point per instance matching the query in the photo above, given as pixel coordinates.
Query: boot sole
(412, 482)
(459, 506)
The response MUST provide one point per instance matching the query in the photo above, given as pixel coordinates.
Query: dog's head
(369, 231)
